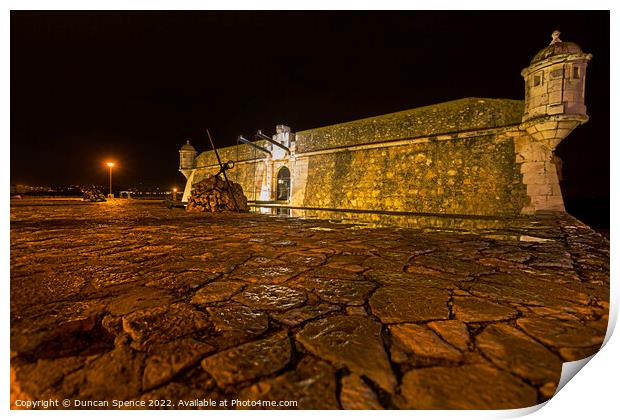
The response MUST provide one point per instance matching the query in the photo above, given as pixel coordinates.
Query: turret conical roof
(555, 48)
(187, 147)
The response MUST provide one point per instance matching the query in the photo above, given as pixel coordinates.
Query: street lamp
(174, 194)
(110, 165)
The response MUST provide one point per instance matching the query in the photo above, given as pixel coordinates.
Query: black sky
(133, 86)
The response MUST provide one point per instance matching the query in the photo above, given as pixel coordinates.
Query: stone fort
(467, 157)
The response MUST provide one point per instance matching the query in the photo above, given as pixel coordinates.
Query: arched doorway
(284, 184)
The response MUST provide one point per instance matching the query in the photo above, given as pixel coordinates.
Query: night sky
(133, 86)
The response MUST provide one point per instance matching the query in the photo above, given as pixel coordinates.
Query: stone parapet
(449, 117)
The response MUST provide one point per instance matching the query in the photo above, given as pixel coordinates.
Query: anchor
(223, 168)
(228, 165)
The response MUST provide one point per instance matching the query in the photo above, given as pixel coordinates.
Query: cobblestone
(453, 332)
(271, 297)
(424, 343)
(395, 304)
(169, 359)
(249, 361)
(129, 300)
(471, 309)
(513, 351)
(312, 384)
(357, 395)
(465, 386)
(217, 291)
(353, 342)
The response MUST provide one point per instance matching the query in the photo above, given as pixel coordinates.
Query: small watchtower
(187, 154)
(554, 92)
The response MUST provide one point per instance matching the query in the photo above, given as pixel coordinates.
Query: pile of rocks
(216, 195)
(92, 194)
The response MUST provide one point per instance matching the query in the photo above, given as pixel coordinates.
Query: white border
(592, 395)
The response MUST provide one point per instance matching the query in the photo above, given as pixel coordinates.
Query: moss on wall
(448, 117)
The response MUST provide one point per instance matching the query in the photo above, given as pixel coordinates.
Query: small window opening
(575, 72)
(536, 80)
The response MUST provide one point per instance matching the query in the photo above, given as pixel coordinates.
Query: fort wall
(474, 175)
(451, 158)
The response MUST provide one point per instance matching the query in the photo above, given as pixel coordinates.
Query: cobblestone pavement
(132, 301)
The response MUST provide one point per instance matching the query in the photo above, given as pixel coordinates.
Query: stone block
(532, 360)
(249, 361)
(555, 97)
(533, 176)
(539, 202)
(550, 134)
(551, 171)
(464, 388)
(532, 151)
(539, 189)
(555, 109)
(350, 341)
(555, 203)
(563, 133)
(355, 394)
(423, 342)
(555, 85)
(549, 125)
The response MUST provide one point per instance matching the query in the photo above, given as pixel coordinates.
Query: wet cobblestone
(130, 300)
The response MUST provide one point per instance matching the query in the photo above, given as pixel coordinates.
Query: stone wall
(455, 158)
(472, 176)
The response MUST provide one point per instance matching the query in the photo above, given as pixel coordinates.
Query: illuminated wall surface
(457, 157)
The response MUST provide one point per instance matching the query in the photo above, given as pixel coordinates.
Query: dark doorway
(284, 184)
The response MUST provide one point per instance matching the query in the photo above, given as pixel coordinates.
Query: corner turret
(187, 154)
(554, 107)
(554, 92)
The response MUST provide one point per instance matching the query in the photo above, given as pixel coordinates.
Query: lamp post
(174, 194)
(110, 165)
